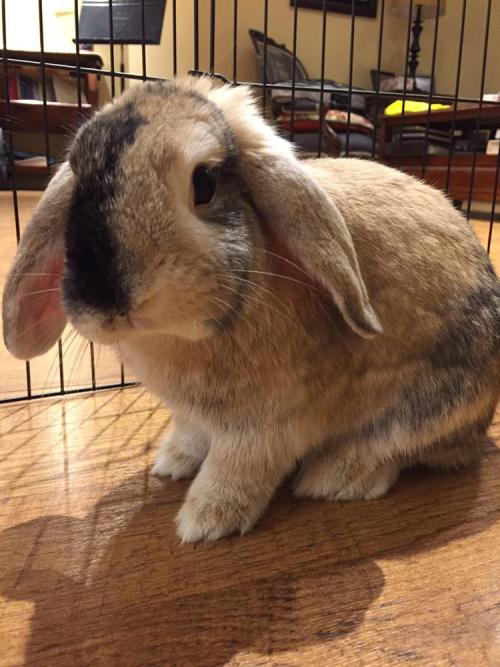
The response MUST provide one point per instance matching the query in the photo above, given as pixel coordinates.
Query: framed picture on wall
(361, 7)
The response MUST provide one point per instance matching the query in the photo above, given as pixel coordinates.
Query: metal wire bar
(143, 44)
(264, 75)
(480, 110)
(431, 91)
(322, 87)
(235, 39)
(122, 68)
(47, 154)
(77, 55)
(351, 68)
(52, 394)
(111, 47)
(196, 34)
(79, 103)
(174, 37)
(457, 90)
(294, 69)
(212, 36)
(379, 64)
(405, 84)
(12, 165)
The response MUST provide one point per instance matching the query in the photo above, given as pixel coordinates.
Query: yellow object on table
(411, 106)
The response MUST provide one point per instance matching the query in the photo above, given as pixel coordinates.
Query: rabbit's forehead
(181, 125)
(185, 127)
(100, 144)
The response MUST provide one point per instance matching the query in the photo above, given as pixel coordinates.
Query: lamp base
(415, 46)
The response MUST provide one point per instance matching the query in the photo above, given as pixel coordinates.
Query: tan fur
(359, 273)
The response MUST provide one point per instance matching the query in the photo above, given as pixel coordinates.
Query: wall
(251, 15)
(280, 28)
(448, 48)
(23, 30)
(159, 58)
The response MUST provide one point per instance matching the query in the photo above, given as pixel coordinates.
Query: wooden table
(436, 166)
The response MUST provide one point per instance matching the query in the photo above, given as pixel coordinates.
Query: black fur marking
(474, 337)
(228, 212)
(93, 277)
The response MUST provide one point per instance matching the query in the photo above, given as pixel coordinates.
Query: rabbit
(334, 319)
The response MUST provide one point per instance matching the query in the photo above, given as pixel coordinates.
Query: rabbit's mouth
(106, 331)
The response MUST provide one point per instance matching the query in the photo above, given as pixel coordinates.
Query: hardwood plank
(92, 573)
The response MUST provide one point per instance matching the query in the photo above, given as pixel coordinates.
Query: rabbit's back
(422, 262)
(436, 294)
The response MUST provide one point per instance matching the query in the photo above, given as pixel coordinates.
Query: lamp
(421, 9)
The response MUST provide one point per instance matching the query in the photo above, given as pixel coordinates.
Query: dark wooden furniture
(436, 166)
(26, 122)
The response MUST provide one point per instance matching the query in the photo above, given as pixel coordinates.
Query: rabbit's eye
(204, 185)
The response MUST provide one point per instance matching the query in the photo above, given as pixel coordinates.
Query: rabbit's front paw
(208, 514)
(181, 454)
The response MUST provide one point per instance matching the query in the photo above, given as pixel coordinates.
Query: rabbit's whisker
(42, 291)
(21, 273)
(278, 275)
(230, 308)
(33, 326)
(82, 348)
(256, 293)
(288, 261)
(72, 333)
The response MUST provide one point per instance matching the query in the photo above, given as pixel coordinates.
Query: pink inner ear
(40, 316)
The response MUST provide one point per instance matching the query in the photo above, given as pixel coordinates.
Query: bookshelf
(26, 122)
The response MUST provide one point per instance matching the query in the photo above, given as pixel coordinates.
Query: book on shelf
(57, 89)
(66, 90)
(415, 147)
(493, 147)
(441, 137)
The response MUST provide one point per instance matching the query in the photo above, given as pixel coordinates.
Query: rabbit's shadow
(116, 587)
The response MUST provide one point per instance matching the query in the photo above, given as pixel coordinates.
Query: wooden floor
(92, 573)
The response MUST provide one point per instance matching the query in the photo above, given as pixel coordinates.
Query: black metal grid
(264, 87)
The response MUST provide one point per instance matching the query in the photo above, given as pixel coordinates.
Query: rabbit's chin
(107, 332)
(110, 331)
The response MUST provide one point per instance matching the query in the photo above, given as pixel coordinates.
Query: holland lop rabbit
(335, 313)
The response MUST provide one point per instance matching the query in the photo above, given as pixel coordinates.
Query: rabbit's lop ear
(33, 316)
(298, 209)
(312, 227)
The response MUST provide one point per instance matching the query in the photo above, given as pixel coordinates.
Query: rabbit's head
(168, 199)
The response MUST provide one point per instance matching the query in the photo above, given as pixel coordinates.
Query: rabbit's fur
(335, 313)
